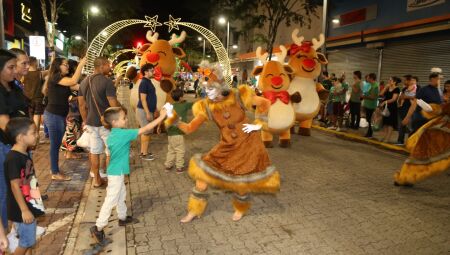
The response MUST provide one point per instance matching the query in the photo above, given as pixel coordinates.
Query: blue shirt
(119, 145)
(429, 94)
(146, 87)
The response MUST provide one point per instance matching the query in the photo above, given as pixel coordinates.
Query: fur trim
(196, 206)
(171, 121)
(410, 174)
(241, 206)
(199, 109)
(246, 94)
(271, 184)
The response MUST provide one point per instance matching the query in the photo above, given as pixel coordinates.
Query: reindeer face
(273, 76)
(161, 54)
(304, 58)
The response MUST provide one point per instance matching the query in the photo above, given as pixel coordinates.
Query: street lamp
(77, 37)
(204, 46)
(95, 10)
(223, 20)
(235, 46)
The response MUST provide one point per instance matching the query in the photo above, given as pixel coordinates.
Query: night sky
(74, 18)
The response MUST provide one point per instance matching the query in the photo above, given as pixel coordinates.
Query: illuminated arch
(120, 52)
(96, 46)
(122, 65)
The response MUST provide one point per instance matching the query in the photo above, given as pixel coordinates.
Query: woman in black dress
(390, 93)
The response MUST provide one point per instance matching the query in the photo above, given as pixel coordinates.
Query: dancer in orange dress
(239, 162)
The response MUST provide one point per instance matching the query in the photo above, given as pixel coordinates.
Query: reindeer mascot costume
(239, 162)
(429, 146)
(274, 81)
(306, 62)
(162, 54)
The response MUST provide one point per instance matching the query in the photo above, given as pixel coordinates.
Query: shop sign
(37, 47)
(25, 13)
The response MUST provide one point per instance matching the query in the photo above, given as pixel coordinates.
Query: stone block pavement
(337, 197)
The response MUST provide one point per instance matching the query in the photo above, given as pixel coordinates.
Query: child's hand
(163, 113)
(27, 217)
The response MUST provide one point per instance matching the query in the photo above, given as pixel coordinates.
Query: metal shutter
(352, 59)
(416, 58)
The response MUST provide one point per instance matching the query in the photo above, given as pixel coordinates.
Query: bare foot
(237, 216)
(188, 218)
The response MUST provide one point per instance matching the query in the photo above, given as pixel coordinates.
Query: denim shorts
(26, 233)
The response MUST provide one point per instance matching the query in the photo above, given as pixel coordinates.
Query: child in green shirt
(175, 148)
(115, 118)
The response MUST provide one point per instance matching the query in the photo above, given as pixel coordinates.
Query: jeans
(4, 149)
(355, 114)
(56, 125)
(402, 130)
(369, 113)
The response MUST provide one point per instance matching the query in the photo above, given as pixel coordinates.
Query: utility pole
(2, 26)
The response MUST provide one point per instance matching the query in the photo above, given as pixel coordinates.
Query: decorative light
(235, 46)
(199, 38)
(152, 22)
(104, 33)
(64, 31)
(172, 23)
(97, 44)
(77, 37)
(116, 54)
(335, 21)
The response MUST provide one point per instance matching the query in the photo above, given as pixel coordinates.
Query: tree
(55, 8)
(270, 13)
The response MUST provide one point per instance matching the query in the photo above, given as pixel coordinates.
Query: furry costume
(274, 81)
(306, 62)
(239, 162)
(162, 54)
(429, 148)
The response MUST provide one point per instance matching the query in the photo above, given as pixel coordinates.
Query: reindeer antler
(282, 55)
(262, 57)
(318, 44)
(174, 39)
(152, 37)
(297, 40)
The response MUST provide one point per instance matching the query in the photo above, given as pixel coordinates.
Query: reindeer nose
(276, 80)
(152, 57)
(309, 63)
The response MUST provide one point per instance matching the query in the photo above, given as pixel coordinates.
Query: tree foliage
(52, 14)
(269, 14)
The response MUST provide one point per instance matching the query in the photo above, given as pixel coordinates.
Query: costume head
(274, 75)
(212, 79)
(304, 58)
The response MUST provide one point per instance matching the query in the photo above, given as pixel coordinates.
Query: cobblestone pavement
(63, 198)
(337, 197)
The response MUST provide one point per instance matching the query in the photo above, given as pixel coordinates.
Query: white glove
(169, 109)
(251, 127)
(426, 107)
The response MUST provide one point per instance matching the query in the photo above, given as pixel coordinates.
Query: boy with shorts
(24, 200)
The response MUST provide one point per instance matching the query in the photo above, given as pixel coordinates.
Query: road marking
(59, 223)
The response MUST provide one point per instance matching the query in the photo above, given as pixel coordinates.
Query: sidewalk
(358, 136)
(63, 198)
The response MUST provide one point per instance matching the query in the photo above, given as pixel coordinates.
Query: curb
(360, 139)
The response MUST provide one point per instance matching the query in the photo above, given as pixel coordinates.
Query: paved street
(337, 197)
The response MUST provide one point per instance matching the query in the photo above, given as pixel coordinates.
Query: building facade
(390, 38)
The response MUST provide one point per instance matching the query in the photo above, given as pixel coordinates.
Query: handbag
(83, 141)
(386, 112)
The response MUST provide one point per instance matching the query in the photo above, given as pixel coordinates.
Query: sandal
(61, 177)
(99, 186)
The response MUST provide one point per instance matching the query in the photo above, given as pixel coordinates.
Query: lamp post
(204, 46)
(223, 20)
(94, 10)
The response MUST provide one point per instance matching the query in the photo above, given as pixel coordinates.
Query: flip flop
(56, 177)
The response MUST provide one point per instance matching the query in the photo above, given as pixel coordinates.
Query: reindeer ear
(257, 70)
(178, 52)
(322, 59)
(144, 48)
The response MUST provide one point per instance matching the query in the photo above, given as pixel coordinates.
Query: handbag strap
(93, 97)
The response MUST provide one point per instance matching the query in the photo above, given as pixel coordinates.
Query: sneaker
(128, 220)
(99, 236)
(147, 157)
(180, 170)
